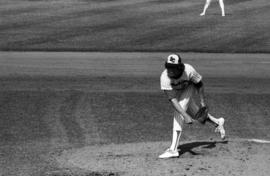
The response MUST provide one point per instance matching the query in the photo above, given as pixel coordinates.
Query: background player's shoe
(220, 128)
(202, 14)
(169, 154)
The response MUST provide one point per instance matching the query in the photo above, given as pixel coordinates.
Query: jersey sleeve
(165, 82)
(194, 76)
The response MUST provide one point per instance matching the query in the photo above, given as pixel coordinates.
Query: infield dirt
(65, 114)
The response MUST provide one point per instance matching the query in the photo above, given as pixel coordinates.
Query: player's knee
(184, 104)
(177, 124)
(177, 128)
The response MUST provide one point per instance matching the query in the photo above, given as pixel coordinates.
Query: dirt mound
(233, 157)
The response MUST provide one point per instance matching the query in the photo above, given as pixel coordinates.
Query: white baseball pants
(187, 102)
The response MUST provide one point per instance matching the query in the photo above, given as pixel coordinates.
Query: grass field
(101, 113)
(134, 25)
(81, 114)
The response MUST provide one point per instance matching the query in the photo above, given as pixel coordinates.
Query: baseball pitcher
(180, 82)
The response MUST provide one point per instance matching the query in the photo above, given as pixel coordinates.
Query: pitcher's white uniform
(182, 89)
(180, 82)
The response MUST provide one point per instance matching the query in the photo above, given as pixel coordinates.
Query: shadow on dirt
(188, 147)
(79, 173)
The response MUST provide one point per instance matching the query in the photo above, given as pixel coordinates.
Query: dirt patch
(233, 157)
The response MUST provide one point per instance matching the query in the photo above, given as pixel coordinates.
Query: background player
(180, 82)
(207, 3)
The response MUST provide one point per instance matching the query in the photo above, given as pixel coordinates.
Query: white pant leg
(221, 4)
(184, 101)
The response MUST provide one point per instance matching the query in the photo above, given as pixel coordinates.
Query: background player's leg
(207, 3)
(221, 4)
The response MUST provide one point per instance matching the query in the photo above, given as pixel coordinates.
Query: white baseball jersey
(189, 75)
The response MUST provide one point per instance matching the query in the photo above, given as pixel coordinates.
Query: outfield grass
(134, 25)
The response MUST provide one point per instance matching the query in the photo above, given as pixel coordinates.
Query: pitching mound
(233, 157)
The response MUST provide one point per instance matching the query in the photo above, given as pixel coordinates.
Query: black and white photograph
(134, 87)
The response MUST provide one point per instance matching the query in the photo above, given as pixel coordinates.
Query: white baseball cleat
(220, 128)
(202, 14)
(169, 154)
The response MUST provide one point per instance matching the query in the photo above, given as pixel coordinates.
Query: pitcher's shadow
(188, 147)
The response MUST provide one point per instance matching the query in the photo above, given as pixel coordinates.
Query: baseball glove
(202, 115)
